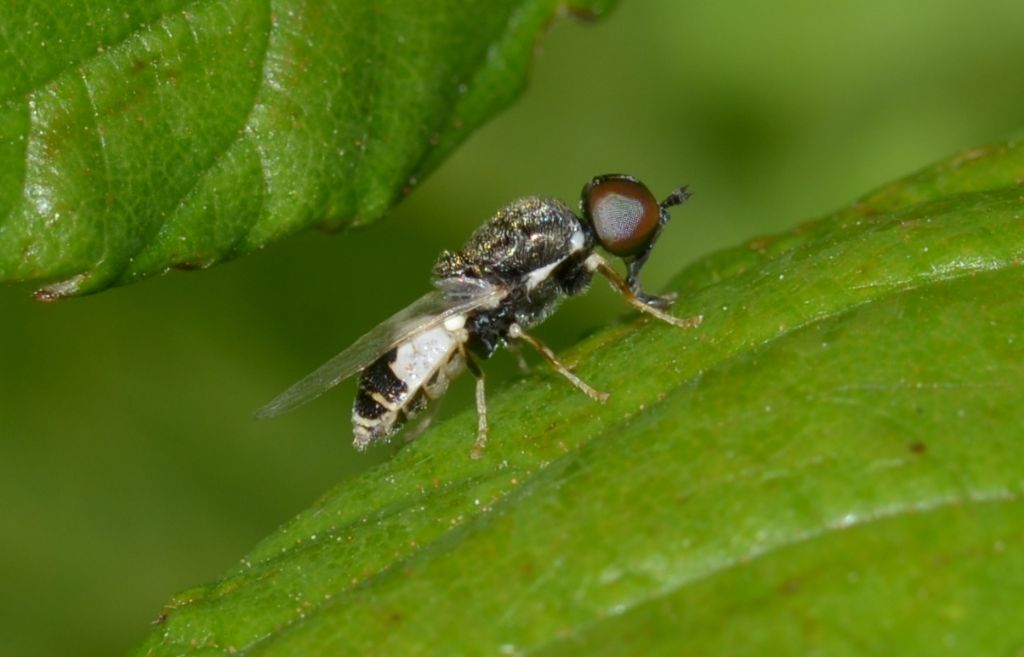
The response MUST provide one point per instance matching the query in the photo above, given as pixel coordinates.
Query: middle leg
(516, 332)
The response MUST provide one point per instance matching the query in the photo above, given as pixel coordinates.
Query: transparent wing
(454, 296)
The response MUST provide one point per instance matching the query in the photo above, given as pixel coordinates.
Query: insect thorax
(523, 237)
(534, 248)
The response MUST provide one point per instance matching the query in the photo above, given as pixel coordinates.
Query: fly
(511, 275)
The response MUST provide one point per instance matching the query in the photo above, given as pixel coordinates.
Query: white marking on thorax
(539, 275)
(421, 355)
(576, 241)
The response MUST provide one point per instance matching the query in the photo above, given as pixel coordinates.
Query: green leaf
(138, 136)
(831, 463)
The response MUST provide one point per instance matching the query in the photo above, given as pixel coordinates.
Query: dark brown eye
(622, 211)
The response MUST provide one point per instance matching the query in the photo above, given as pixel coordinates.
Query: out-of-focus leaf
(143, 135)
(832, 463)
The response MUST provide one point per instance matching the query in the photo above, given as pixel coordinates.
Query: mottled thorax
(522, 238)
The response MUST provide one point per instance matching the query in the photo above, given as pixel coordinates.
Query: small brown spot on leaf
(759, 245)
(580, 13)
(791, 586)
(970, 155)
(191, 265)
(918, 447)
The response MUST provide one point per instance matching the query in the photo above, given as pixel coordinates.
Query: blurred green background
(130, 467)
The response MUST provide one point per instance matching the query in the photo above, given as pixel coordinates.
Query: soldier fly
(511, 275)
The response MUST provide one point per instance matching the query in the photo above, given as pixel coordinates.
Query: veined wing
(454, 296)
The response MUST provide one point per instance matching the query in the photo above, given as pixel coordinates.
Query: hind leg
(481, 407)
(431, 411)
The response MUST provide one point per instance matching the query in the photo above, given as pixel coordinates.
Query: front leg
(652, 305)
(662, 302)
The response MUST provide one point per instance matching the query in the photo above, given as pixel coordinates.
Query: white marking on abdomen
(455, 322)
(380, 399)
(421, 355)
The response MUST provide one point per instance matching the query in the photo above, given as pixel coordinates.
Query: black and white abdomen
(399, 384)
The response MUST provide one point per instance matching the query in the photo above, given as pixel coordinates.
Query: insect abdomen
(381, 394)
(399, 384)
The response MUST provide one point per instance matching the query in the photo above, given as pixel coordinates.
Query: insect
(511, 275)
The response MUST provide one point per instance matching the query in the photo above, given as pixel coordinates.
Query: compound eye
(623, 212)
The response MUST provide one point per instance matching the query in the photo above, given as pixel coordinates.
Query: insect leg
(642, 302)
(516, 332)
(524, 367)
(433, 406)
(481, 406)
(635, 263)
